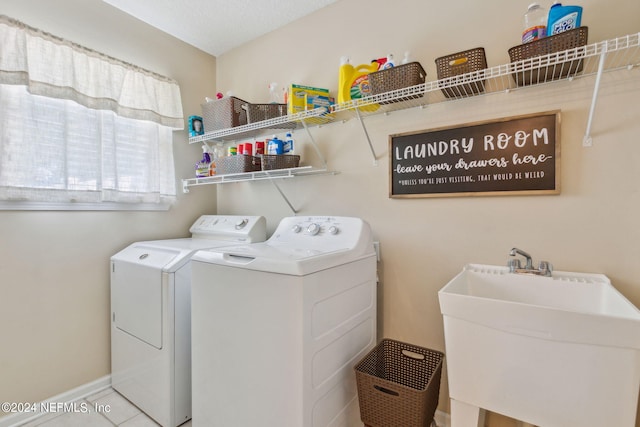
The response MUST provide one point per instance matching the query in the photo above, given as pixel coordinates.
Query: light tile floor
(92, 411)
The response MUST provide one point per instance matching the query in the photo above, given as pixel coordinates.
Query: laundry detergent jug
(353, 82)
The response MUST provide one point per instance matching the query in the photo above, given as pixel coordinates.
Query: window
(79, 129)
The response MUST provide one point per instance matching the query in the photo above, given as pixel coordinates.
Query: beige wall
(54, 279)
(54, 266)
(591, 227)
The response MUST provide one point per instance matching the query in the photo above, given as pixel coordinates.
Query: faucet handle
(545, 267)
(514, 264)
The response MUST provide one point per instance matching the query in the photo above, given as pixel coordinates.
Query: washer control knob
(333, 230)
(241, 224)
(296, 228)
(313, 229)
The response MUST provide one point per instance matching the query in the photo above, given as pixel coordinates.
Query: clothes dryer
(151, 314)
(278, 326)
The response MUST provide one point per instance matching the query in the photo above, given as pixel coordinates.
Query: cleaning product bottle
(353, 82)
(563, 18)
(275, 146)
(213, 164)
(407, 58)
(202, 167)
(288, 144)
(389, 62)
(535, 23)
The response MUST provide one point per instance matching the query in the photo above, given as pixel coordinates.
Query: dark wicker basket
(460, 63)
(224, 113)
(398, 385)
(552, 44)
(399, 77)
(262, 112)
(279, 161)
(237, 164)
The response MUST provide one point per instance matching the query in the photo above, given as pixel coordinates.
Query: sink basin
(574, 307)
(554, 351)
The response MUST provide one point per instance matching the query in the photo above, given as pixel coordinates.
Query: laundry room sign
(510, 156)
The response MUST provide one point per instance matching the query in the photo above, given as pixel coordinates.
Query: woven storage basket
(262, 112)
(460, 63)
(398, 77)
(224, 113)
(237, 164)
(398, 385)
(557, 43)
(279, 161)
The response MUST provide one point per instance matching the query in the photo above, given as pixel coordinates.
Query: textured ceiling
(216, 26)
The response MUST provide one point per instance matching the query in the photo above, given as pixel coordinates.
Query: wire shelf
(593, 59)
(622, 52)
(254, 176)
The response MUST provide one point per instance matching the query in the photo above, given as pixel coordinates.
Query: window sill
(106, 206)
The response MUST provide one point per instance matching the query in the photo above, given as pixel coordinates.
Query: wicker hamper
(398, 77)
(459, 63)
(224, 113)
(556, 43)
(398, 385)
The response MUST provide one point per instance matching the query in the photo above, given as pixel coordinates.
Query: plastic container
(275, 146)
(273, 161)
(237, 164)
(224, 113)
(398, 385)
(535, 23)
(564, 41)
(353, 82)
(462, 63)
(398, 77)
(563, 18)
(289, 146)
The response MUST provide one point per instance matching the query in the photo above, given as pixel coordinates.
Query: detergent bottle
(563, 18)
(353, 82)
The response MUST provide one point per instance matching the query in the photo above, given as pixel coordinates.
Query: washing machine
(278, 326)
(151, 314)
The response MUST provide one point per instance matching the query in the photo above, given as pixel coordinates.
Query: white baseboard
(17, 419)
(441, 418)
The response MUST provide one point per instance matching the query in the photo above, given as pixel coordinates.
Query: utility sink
(553, 351)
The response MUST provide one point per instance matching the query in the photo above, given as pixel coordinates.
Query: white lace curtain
(79, 126)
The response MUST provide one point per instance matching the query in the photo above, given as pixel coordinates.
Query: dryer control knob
(296, 228)
(313, 229)
(333, 230)
(240, 224)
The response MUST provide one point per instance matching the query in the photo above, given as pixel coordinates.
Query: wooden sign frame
(512, 156)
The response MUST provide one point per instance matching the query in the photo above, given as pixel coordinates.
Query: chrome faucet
(544, 268)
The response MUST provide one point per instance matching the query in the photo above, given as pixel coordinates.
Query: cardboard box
(304, 98)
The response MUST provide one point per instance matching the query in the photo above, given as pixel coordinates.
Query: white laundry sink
(553, 351)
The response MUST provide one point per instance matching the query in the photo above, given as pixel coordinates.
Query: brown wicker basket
(398, 385)
(399, 77)
(460, 63)
(279, 161)
(262, 112)
(224, 113)
(556, 43)
(237, 164)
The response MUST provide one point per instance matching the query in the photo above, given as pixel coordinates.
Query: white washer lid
(299, 246)
(209, 231)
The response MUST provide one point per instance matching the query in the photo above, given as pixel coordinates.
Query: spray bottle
(202, 167)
